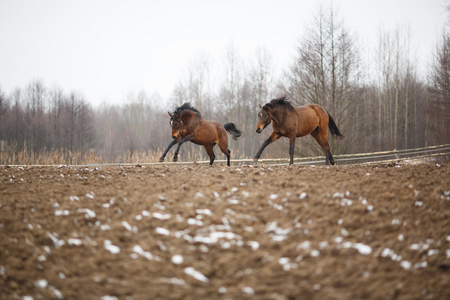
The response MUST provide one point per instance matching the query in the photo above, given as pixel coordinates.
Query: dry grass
(58, 157)
(65, 157)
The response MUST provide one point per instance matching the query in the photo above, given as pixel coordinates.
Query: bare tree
(327, 71)
(4, 108)
(232, 80)
(35, 93)
(398, 89)
(439, 81)
(260, 82)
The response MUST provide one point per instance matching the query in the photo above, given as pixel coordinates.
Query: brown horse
(293, 122)
(189, 126)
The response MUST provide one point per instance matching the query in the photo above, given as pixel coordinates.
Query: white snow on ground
(88, 213)
(277, 234)
(162, 231)
(196, 274)
(139, 251)
(110, 247)
(160, 216)
(177, 259)
(202, 236)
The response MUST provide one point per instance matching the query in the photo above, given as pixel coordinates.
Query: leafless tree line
(35, 121)
(379, 104)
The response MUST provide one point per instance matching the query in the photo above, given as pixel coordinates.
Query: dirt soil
(252, 232)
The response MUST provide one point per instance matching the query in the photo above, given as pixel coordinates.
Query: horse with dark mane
(293, 122)
(188, 125)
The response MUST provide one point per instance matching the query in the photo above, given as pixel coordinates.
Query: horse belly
(304, 132)
(308, 121)
(206, 135)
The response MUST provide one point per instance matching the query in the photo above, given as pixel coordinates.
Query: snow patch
(110, 247)
(405, 265)
(248, 290)
(61, 212)
(162, 231)
(129, 227)
(196, 274)
(108, 298)
(42, 283)
(58, 243)
(192, 221)
(138, 250)
(203, 212)
(74, 198)
(160, 216)
(277, 234)
(253, 244)
(75, 242)
(432, 252)
(177, 259)
(89, 214)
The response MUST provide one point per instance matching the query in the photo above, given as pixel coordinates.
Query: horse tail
(231, 128)
(333, 128)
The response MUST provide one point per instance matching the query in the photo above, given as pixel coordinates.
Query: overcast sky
(104, 48)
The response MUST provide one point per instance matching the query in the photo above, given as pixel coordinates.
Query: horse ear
(170, 114)
(260, 106)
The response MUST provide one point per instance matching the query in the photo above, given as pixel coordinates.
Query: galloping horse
(293, 122)
(188, 125)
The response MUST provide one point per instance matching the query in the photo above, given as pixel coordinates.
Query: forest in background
(379, 103)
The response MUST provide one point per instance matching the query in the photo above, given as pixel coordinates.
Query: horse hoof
(161, 159)
(175, 159)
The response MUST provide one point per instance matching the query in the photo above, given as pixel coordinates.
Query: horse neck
(279, 114)
(189, 117)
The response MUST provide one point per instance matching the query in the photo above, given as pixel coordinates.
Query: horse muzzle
(259, 129)
(175, 134)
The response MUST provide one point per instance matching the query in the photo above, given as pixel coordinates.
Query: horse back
(309, 117)
(208, 132)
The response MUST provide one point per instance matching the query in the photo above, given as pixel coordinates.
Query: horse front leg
(181, 142)
(291, 149)
(329, 157)
(174, 141)
(273, 137)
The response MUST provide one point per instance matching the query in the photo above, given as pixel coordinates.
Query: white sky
(104, 48)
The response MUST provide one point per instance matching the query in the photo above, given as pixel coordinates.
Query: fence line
(431, 152)
(380, 156)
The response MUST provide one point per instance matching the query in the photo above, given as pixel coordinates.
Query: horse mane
(281, 102)
(185, 107)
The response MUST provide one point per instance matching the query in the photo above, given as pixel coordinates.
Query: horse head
(264, 118)
(176, 123)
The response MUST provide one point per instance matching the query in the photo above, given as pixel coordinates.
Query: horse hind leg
(210, 151)
(227, 152)
(228, 157)
(321, 138)
(224, 148)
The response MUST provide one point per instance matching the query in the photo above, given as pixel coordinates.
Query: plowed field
(253, 232)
